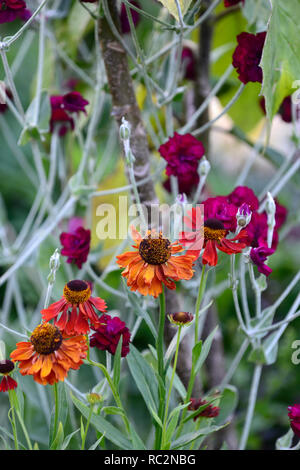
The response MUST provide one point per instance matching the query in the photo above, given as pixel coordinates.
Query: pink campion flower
(247, 56)
(61, 107)
(257, 232)
(108, 334)
(209, 412)
(13, 9)
(259, 257)
(188, 60)
(7, 382)
(76, 245)
(125, 26)
(241, 195)
(294, 415)
(182, 153)
(231, 3)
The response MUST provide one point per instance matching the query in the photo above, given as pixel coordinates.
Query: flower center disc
(214, 229)
(155, 250)
(77, 292)
(6, 366)
(46, 338)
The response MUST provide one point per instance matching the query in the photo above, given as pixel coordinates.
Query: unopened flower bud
(125, 130)
(181, 199)
(271, 210)
(243, 215)
(181, 318)
(94, 398)
(54, 266)
(204, 167)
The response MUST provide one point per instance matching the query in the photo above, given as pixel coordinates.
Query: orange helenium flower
(154, 263)
(77, 309)
(49, 354)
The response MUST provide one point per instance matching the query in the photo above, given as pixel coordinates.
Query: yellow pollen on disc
(77, 292)
(155, 251)
(214, 234)
(46, 338)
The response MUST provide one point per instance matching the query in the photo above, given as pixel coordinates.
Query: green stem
(171, 385)
(13, 420)
(87, 427)
(114, 392)
(24, 430)
(202, 285)
(199, 300)
(55, 388)
(160, 367)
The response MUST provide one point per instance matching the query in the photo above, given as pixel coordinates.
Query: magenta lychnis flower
(62, 107)
(125, 25)
(247, 56)
(294, 415)
(108, 334)
(259, 257)
(188, 60)
(231, 3)
(76, 244)
(182, 154)
(13, 9)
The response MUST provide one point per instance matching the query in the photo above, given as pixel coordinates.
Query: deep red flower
(182, 153)
(125, 26)
(7, 382)
(209, 412)
(186, 183)
(241, 195)
(259, 256)
(108, 334)
(188, 60)
(247, 56)
(231, 3)
(257, 231)
(285, 110)
(61, 106)
(294, 415)
(219, 208)
(13, 9)
(280, 215)
(77, 309)
(74, 102)
(76, 245)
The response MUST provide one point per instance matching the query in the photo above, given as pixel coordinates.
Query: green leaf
(113, 410)
(68, 439)
(144, 377)
(192, 436)
(285, 442)
(62, 411)
(280, 60)
(227, 405)
(59, 438)
(257, 13)
(103, 426)
(95, 445)
(203, 351)
(171, 6)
